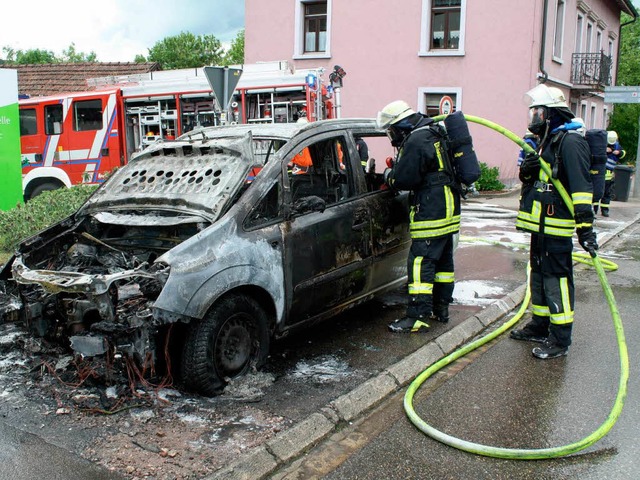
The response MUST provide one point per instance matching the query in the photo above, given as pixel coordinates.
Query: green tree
(24, 57)
(624, 118)
(186, 50)
(70, 55)
(36, 55)
(235, 54)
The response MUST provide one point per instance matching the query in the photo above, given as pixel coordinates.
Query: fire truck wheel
(44, 187)
(231, 339)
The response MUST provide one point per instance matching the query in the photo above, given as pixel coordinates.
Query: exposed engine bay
(94, 284)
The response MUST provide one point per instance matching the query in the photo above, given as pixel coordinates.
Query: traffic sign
(223, 81)
(622, 94)
(446, 105)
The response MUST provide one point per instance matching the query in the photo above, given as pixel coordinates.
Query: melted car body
(222, 234)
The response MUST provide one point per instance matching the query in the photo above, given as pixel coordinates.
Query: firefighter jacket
(423, 167)
(612, 158)
(542, 209)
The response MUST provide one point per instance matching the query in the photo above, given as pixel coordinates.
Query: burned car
(224, 234)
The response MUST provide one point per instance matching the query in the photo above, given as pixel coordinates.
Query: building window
(579, 27)
(605, 118)
(445, 24)
(593, 116)
(315, 27)
(559, 33)
(432, 99)
(589, 37)
(442, 29)
(598, 41)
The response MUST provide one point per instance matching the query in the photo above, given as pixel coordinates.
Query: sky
(116, 30)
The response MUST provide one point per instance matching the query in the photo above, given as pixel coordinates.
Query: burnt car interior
(327, 177)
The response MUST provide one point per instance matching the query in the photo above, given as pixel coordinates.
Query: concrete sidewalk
(295, 441)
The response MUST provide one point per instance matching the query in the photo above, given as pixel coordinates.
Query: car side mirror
(309, 204)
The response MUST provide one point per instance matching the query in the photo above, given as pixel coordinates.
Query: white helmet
(543, 96)
(393, 113)
(612, 137)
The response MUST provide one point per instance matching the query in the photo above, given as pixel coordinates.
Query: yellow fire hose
(522, 453)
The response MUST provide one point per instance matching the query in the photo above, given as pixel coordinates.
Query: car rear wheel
(232, 338)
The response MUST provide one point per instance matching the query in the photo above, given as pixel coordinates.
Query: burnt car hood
(196, 179)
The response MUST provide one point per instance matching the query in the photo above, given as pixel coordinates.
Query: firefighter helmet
(543, 96)
(612, 137)
(393, 113)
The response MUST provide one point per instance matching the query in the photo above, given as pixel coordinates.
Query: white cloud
(117, 30)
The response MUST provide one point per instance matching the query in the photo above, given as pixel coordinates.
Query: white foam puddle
(323, 369)
(476, 292)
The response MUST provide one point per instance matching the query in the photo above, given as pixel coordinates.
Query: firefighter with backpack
(615, 153)
(422, 166)
(544, 214)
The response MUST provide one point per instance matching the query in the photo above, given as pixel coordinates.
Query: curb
(294, 442)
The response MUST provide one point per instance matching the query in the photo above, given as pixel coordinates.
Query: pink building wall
(378, 43)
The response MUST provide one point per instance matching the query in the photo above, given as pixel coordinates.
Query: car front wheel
(232, 338)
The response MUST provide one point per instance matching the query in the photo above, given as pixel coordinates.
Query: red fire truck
(80, 137)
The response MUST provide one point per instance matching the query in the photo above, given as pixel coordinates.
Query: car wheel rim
(233, 347)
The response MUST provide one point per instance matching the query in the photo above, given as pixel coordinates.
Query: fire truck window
(28, 125)
(53, 119)
(87, 115)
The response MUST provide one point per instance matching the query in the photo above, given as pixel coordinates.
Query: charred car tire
(232, 338)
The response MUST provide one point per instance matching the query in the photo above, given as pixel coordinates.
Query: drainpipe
(543, 41)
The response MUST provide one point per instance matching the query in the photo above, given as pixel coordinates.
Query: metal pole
(338, 105)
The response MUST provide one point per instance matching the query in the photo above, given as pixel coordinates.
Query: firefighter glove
(530, 168)
(587, 239)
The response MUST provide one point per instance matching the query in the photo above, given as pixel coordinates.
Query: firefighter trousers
(552, 288)
(430, 272)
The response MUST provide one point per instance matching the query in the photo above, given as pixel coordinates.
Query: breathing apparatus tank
(465, 162)
(597, 140)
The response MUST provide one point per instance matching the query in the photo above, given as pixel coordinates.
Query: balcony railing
(591, 70)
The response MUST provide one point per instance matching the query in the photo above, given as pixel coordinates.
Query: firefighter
(423, 167)
(614, 154)
(545, 215)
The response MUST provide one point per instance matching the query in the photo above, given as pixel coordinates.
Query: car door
(327, 253)
(390, 237)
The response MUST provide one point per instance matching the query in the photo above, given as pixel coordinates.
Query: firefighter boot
(530, 333)
(605, 212)
(595, 209)
(549, 349)
(440, 313)
(409, 325)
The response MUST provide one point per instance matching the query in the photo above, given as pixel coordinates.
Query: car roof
(277, 130)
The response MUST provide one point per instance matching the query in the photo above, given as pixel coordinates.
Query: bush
(489, 179)
(37, 214)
